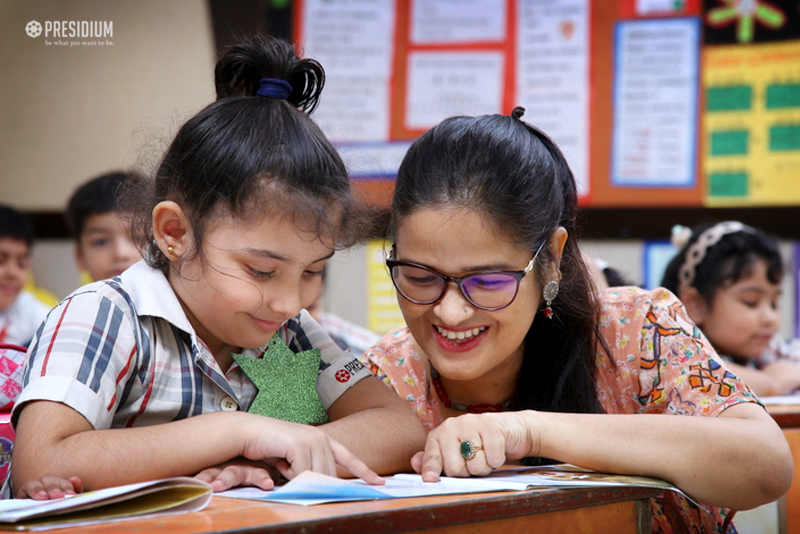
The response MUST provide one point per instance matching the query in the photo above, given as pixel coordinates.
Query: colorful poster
(750, 21)
(655, 258)
(656, 78)
(382, 310)
(751, 124)
(553, 76)
(354, 40)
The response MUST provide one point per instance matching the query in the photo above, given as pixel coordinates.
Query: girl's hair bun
(518, 112)
(241, 68)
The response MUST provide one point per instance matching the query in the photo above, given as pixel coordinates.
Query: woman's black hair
(726, 262)
(516, 177)
(247, 153)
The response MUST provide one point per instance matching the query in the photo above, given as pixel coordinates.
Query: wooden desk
(788, 417)
(596, 510)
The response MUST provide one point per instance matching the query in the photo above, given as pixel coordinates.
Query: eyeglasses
(486, 290)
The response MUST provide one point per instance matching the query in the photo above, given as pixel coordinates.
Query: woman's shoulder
(637, 306)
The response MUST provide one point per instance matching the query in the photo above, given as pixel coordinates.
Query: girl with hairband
(200, 359)
(728, 275)
(509, 354)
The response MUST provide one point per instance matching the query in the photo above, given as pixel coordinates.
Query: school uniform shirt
(19, 321)
(660, 363)
(122, 353)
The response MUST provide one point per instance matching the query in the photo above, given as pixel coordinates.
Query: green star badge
(286, 383)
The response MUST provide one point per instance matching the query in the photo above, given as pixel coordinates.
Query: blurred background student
(729, 277)
(103, 242)
(20, 311)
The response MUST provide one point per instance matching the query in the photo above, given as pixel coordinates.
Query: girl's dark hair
(516, 177)
(726, 262)
(247, 153)
(14, 225)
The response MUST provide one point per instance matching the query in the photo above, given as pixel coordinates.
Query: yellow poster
(382, 309)
(751, 124)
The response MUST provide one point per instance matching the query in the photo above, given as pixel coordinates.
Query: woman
(502, 320)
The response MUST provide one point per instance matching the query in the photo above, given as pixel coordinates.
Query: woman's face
(457, 242)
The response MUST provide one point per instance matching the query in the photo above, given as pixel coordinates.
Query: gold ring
(468, 449)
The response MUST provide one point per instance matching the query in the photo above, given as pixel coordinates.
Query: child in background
(728, 275)
(21, 312)
(150, 374)
(104, 245)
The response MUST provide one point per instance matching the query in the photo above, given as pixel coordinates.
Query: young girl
(502, 321)
(151, 374)
(728, 275)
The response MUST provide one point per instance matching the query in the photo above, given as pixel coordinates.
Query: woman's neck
(492, 391)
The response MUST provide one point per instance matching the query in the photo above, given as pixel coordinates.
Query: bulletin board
(671, 103)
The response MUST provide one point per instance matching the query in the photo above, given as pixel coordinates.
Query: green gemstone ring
(468, 449)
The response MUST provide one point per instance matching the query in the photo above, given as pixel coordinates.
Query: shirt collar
(153, 295)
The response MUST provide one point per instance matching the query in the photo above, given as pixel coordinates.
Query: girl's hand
(239, 472)
(301, 448)
(785, 376)
(500, 437)
(50, 487)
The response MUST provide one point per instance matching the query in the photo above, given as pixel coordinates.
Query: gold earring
(171, 250)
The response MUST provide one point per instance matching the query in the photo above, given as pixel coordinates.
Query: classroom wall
(70, 112)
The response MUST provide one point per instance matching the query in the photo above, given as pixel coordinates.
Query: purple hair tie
(274, 88)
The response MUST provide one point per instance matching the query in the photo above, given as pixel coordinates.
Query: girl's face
(743, 317)
(456, 243)
(253, 277)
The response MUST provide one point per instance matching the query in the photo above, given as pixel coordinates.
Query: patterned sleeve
(339, 370)
(681, 372)
(82, 356)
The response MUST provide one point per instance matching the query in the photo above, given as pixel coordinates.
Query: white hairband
(697, 252)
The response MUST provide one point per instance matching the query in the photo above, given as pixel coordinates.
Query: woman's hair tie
(696, 253)
(274, 88)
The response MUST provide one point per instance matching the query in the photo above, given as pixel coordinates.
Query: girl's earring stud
(550, 293)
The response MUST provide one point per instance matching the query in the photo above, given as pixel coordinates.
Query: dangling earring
(550, 293)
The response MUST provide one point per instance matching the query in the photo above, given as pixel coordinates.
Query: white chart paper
(655, 103)
(458, 21)
(553, 76)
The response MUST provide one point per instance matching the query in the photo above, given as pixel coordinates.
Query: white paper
(313, 488)
(442, 84)
(458, 21)
(553, 76)
(353, 39)
(780, 399)
(655, 103)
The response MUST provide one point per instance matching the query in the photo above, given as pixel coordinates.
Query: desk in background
(596, 510)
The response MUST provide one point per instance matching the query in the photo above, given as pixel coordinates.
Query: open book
(313, 488)
(133, 501)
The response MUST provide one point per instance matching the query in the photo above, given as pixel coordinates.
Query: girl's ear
(695, 304)
(556, 243)
(171, 229)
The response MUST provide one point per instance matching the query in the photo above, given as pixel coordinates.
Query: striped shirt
(122, 353)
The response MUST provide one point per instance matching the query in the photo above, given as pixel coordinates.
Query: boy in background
(20, 311)
(103, 243)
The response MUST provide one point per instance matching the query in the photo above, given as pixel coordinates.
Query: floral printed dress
(660, 364)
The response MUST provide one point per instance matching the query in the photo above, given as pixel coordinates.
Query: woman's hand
(301, 448)
(50, 487)
(498, 437)
(240, 472)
